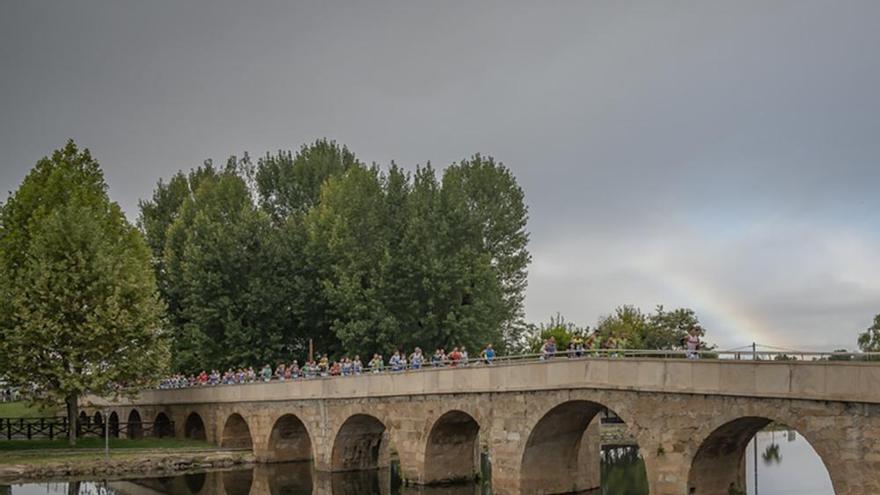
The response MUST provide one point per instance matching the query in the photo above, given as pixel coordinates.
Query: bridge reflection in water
(296, 478)
(787, 464)
(622, 472)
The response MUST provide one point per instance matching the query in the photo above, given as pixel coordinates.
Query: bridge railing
(786, 355)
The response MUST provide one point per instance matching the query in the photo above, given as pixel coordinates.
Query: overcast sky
(716, 155)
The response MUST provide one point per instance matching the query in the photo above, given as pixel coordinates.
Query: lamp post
(106, 434)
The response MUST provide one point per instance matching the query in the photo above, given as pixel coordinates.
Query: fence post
(51, 431)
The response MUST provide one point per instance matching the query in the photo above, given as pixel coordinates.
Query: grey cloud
(663, 146)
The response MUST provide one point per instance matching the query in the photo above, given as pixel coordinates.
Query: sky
(720, 155)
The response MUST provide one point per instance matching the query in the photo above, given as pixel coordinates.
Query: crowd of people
(595, 345)
(8, 394)
(322, 366)
(398, 361)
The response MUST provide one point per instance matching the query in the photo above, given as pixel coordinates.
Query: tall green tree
(165, 220)
(78, 305)
(229, 306)
(359, 260)
(350, 226)
(489, 208)
(869, 340)
(289, 183)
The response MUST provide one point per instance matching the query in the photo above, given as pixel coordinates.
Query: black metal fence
(56, 427)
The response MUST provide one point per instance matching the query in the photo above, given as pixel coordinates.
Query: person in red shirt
(455, 356)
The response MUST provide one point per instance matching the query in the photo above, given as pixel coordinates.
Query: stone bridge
(692, 420)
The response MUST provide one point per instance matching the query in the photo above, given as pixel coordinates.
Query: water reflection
(787, 464)
(623, 472)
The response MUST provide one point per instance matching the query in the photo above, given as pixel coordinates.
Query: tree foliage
(561, 330)
(79, 310)
(627, 327)
(869, 340)
(321, 247)
(661, 329)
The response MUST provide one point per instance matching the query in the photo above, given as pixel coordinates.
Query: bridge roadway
(536, 420)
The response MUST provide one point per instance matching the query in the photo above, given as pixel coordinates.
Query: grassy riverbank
(23, 410)
(98, 443)
(41, 451)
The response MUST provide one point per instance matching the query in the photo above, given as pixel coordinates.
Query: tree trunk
(72, 419)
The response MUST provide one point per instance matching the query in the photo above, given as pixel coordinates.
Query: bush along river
(786, 464)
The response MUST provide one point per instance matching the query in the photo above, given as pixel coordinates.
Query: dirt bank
(79, 465)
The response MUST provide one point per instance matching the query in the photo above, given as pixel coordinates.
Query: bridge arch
(113, 424)
(135, 425)
(194, 427)
(361, 443)
(719, 463)
(563, 449)
(236, 433)
(237, 482)
(195, 482)
(452, 452)
(289, 440)
(162, 426)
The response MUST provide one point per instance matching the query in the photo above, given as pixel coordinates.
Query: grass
(90, 449)
(23, 410)
(98, 443)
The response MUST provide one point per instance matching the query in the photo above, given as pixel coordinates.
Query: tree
(561, 330)
(358, 259)
(230, 313)
(627, 325)
(157, 217)
(291, 184)
(79, 311)
(661, 330)
(350, 227)
(489, 215)
(667, 329)
(869, 340)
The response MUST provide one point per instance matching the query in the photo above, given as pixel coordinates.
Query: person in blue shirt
(488, 354)
(395, 361)
(416, 358)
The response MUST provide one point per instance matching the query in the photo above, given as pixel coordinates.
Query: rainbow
(736, 324)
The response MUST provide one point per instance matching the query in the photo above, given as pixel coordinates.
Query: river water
(787, 465)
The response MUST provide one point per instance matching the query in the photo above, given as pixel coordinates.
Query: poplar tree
(79, 312)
